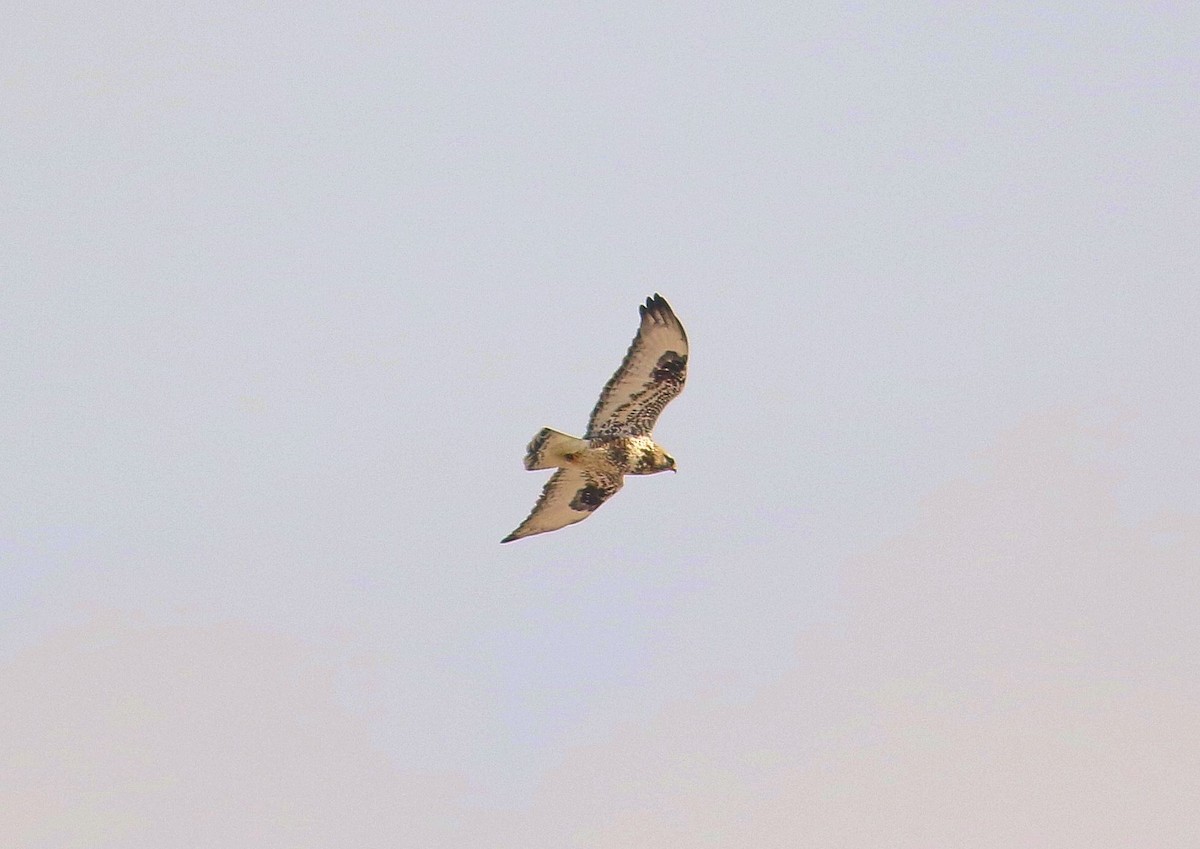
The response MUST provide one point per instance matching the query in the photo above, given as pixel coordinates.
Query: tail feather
(550, 448)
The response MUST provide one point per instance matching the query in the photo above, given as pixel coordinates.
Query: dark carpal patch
(670, 368)
(589, 498)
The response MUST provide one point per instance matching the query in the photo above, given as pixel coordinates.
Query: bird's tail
(550, 449)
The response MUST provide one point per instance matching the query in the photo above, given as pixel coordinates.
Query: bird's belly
(615, 455)
(593, 460)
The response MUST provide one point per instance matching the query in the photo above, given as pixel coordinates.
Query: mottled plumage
(618, 440)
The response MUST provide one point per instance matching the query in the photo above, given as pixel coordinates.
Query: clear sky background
(284, 292)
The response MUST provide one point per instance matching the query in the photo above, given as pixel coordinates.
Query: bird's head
(663, 462)
(651, 460)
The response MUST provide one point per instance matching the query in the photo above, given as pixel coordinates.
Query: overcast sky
(284, 292)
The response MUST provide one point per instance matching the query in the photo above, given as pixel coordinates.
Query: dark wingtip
(655, 304)
(508, 538)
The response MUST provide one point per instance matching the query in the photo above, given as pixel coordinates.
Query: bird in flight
(618, 440)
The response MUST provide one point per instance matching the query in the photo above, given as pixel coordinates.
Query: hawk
(618, 441)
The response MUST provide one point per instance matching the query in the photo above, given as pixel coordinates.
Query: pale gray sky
(285, 291)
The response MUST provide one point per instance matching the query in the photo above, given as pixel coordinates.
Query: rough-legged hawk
(618, 441)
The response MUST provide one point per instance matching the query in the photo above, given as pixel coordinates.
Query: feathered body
(611, 455)
(618, 441)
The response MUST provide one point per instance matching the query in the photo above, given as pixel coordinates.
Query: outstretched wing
(570, 496)
(651, 374)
